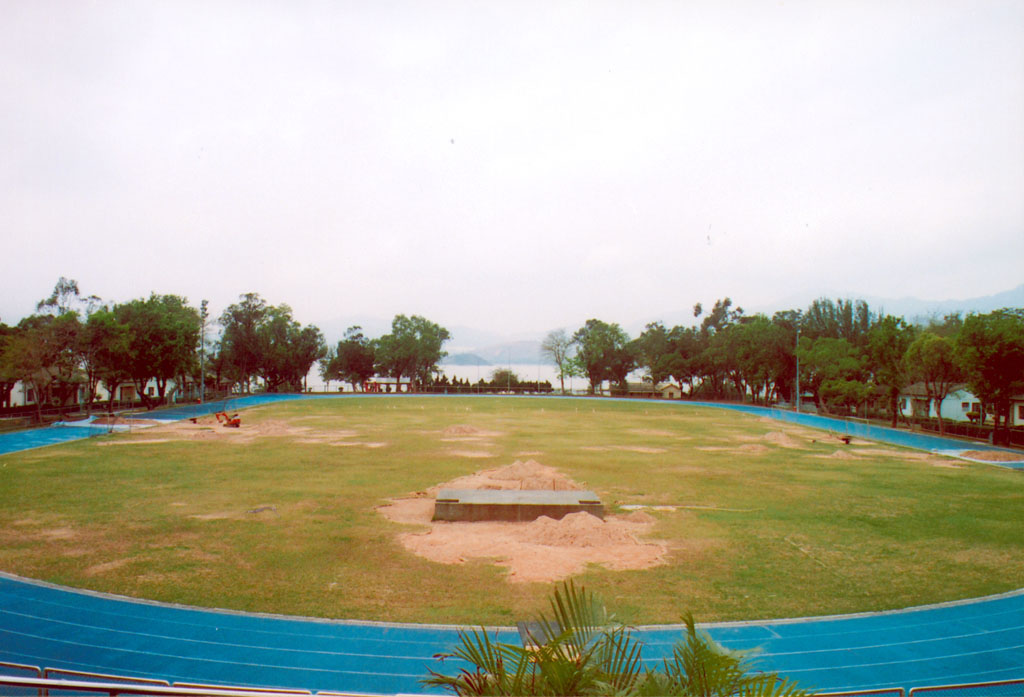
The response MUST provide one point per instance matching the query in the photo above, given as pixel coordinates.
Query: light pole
(798, 370)
(202, 351)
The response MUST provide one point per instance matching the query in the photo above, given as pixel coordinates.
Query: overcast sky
(514, 166)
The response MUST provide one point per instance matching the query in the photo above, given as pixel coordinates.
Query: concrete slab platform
(518, 505)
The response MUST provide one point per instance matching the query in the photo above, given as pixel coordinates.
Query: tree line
(848, 356)
(74, 343)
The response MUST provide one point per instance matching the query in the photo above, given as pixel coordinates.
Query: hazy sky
(513, 166)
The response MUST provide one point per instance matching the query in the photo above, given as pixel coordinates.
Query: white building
(959, 405)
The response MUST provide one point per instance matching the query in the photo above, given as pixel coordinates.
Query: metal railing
(12, 685)
(884, 692)
(997, 688)
(46, 687)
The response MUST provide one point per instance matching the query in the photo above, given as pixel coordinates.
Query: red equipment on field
(233, 421)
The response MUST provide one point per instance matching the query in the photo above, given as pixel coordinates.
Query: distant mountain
(464, 359)
(524, 352)
(911, 309)
(916, 310)
(470, 346)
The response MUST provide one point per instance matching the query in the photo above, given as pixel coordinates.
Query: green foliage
(842, 319)
(990, 349)
(265, 342)
(106, 343)
(164, 335)
(503, 378)
(833, 370)
(412, 349)
(888, 341)
(354, 358)
(604, 352)
(931, 359)
(653, 349)
(579, 649)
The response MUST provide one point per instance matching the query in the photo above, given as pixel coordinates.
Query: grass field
(773, 523)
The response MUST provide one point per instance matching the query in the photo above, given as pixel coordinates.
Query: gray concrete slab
(515, 505)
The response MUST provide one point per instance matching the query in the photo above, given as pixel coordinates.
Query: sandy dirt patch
(472, 454)
(624, 448)
(992, 455)
(97, 569)
(753, 448)
(839, 455)
(121, 421)
(134, 441)
(59, 534)
(542, 550)
(745, 449)
(343, 443)
(465, 431)
(783, 440)
(206, 428)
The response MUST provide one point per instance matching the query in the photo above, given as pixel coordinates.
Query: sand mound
(519, 475)
(752, 448)
(542, 550)
(781, 439)
(459, 432)
(575, 530)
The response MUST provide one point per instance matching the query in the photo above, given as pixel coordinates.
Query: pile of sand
(459, 432)
(575, 530)
(542, 550)
(529, 475)
(781, 439)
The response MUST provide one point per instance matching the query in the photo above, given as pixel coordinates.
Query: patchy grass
(763, 519)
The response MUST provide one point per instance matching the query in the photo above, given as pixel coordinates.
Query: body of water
(474, 373)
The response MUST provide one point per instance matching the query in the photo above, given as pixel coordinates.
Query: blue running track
(16, 441)
(49, 626)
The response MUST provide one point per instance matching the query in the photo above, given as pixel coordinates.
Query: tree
(682, 365)
(604, 352)
(654, 351)
(843, 319)
(164, 335)
(412, 349)
(327, 366)
(713, 363)
(581, 650)
(888, 341)
(504, 379)
(757, 351)
(240, 343)
(285, 350)
(833, 371)
(557, 348)
(990, 349)
(105, 353)
(7, 377)
(788, 322)
(931, 359)
(66, 299)
(354, 362)
(720, 317)
(264, 342)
